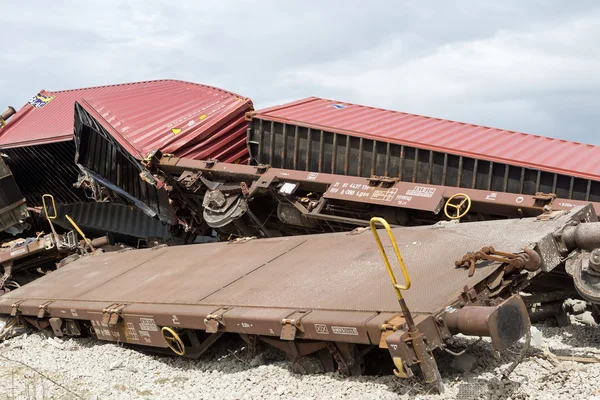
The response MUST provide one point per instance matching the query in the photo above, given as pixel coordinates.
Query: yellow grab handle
(86, 240)
(397, 287)
(46, 206)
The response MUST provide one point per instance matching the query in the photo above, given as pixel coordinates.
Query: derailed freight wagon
(244, 200)
(326, 300)
(188, 119)
(325, 136)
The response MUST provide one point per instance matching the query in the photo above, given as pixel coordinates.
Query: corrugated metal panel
(299, 144)
(123, 223)
(102, 156)
(190, 121)
(444, 136)
(46, 168)
(141, 116)
(13, 209)
(9, 193)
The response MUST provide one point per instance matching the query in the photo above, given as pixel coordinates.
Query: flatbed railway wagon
(326, 299)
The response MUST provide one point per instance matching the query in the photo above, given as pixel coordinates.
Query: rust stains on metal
(301, 273)
(377, 190)
(528, 259)
(6, 115)
(331, 289)
(505, 323)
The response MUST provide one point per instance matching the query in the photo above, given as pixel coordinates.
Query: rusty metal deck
(341, 272)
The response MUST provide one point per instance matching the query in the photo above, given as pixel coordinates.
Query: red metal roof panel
(187, 119)
(526, 150)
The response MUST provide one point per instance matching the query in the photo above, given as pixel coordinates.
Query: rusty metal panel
(340, 271)
(321, 135)
(373, 326)
(256, 321)
(349, 188)
(344, 272)
(189, 316)
(80, 310)
(85, 275)
(187, 276)
(333, 272)
(401, 194)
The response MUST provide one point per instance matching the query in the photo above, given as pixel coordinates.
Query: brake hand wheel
(461, 200)
(173, 340)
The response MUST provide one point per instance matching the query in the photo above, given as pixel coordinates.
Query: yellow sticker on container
(203, 116)
(175, 130)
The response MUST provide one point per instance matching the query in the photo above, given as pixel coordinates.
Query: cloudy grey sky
(531, 66)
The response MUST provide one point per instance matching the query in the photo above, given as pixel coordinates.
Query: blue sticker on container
(338, 106)
(40, 100)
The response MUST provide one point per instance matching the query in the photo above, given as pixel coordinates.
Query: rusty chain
(528, 260)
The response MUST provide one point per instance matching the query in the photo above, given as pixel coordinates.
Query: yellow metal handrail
(386, 261)
(46, 206)
(51, 217)
(86, 240)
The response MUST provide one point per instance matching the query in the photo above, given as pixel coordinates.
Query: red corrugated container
(321, 135)
(183, 118)
(186, 119)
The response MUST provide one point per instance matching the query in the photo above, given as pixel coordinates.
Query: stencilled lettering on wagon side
(148, 324)
(403, 200)
(17, 252)
(130, 332)
(344, 330)
(421, 191)
(384, 195)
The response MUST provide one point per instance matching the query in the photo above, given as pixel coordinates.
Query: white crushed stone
(88, 369)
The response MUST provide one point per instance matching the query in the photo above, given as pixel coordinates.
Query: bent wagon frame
(324, 296)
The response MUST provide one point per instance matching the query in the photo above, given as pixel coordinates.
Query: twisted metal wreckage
(302, 273)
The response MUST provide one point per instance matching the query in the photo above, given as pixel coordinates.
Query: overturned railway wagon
(320, 135)
(326, 297)
(246, 200)
(187, 119)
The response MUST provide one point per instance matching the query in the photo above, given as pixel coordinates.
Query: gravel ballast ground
(34, 367)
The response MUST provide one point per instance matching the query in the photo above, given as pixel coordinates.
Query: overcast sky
(530, 66)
